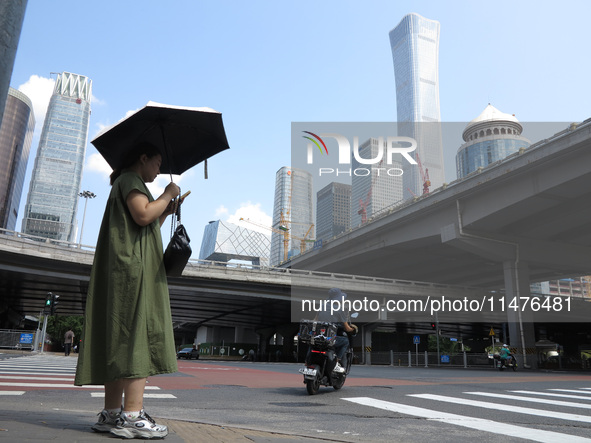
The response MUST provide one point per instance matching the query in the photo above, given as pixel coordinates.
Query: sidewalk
(74, 427)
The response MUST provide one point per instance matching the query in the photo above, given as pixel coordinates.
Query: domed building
(490, 137)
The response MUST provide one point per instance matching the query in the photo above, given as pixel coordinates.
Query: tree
(446, 346)
(57, 326)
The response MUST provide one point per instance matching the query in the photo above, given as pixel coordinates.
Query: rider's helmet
(336, 294)
(505, 345)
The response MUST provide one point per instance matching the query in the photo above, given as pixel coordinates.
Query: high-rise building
(333, 210)
(223, 241)
(490, 137)
(292, 211)
(16, 135)
(415, 52)
(380, 188)
(52, 201)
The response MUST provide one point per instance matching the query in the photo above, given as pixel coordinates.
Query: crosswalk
(19, 375)
(559, 406)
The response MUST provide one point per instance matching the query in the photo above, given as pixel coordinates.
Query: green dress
(128, 326)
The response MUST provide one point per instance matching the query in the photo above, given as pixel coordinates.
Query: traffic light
(50, 304)
(433, 326)
(47, 307)
(54, 303)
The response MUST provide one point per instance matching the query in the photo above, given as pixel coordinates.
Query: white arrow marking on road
(479, 424)
(503, 407)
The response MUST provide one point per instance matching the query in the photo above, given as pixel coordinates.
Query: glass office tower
(415, 52)
(373, 192)
(16, 135)
(292, 210)
(333, 210)
(52, 201)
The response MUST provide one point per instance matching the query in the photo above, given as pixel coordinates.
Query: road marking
(102, 395)
(26, 377)
(533, 400)
(503, 407)
(59, 385)
(550, 394)
(479, 424)
(573, 391)
(12, 392)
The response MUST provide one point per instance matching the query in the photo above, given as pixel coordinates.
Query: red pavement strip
(206, 375)
(203, 375)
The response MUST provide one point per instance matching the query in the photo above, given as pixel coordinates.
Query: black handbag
(178, 251)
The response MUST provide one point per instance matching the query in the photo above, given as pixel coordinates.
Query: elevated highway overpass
(531, 210)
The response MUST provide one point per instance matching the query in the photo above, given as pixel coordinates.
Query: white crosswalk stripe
(505, 403)
(47, 372)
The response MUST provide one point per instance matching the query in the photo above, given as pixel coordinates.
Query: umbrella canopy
(185, 136)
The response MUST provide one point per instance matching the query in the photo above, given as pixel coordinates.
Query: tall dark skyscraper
(415, 52)
(333, 210)
(16, 135)
(52, 202)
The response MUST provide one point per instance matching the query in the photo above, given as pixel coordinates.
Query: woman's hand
(145, 212)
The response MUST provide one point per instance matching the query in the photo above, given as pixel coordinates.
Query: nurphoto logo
(394, 146)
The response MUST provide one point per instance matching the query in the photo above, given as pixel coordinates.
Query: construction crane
(424, 176)
(284, 218)
(284, 231)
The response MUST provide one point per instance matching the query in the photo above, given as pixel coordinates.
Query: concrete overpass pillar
(264, 335)
(366, 332)
(520, 324)
(288, 332)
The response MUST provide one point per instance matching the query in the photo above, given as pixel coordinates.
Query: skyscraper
(491, 136)
(52, 201)
(415, 52)
(16, 134)
(373, 192)
(292, 211)
(223, 241)
(333, 210)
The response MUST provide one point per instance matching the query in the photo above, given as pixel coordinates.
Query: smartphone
(185, 195)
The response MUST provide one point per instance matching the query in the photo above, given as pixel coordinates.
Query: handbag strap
(176, 216)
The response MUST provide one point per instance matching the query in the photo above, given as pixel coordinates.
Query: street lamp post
(86, 195)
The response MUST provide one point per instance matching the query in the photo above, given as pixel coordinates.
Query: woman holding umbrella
(128, 334)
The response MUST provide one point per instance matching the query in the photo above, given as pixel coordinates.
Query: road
(377, 404)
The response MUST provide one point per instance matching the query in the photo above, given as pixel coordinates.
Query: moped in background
(510, 362)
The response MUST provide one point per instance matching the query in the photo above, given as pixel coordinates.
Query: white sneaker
(338, 368)
(142, 427)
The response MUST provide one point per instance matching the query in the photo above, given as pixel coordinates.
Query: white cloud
(96, 101)
(96, 163)
(221, 211)
(255, 218)
(158, 185)
(39, 90)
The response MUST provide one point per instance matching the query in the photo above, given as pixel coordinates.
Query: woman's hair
(133, 156)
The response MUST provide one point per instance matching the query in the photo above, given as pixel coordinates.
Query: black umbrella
(185, 136)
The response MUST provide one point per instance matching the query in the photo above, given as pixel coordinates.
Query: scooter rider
(504, 354)
(340, 318)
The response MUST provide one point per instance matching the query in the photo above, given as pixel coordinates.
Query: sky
(266, 64)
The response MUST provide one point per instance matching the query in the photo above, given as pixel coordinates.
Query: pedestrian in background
(128, 333)
(68, 340)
